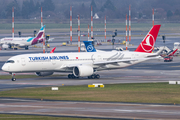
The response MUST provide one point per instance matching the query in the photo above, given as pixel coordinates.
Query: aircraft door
(23, 62)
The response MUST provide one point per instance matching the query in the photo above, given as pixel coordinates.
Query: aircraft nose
(4, 68)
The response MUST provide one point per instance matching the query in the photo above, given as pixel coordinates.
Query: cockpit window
(10, 61)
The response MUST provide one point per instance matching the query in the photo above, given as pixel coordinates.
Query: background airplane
(52, 51)
(84, 64)
(169, 56)
(22, 42)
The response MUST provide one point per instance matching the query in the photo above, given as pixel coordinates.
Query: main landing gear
(71, 76)
(13, 77)
(94, 76)
(26, 47)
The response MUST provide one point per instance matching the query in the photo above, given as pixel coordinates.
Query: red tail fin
(148, 42)
(52, 51)
(171, 54)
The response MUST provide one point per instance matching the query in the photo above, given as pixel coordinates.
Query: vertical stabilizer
(89, 46)
(148, 42)
(172, 53)
(52, 51)
(39, 37)
(40, 34)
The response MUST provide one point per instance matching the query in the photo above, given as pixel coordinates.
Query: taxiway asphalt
(107, 110)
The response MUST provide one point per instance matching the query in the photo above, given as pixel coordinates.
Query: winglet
(148, 42)
(89, 46)
(52, 51)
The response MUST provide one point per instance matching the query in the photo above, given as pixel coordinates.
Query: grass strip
(8, 77)
(136, 93)
(17, 76)
(34, 117)
(59, 26)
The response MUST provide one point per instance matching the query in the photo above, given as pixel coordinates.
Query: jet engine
(5, 46)
(44, 73)
(82, 71)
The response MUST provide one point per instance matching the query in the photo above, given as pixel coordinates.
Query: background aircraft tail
(52, 51)
(148, 42)
(39, 37)
(40, 34)
(172, 53)
(89, 46)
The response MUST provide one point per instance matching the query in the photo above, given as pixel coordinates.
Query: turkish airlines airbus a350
(84, 64)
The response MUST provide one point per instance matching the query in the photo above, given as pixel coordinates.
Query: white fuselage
(62, 62)
(20, 41)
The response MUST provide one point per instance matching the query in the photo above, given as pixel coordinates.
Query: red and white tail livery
(172, 53)
(148, 42)
(52, 51)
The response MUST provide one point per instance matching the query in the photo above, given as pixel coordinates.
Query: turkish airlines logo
(89, 48)
(148, 43)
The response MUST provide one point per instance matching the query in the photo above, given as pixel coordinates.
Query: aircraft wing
(126, 60)
(160, 50)
(97, 63)
(12, 42)
(109, 62)
(16, 43)
(51, 39)
(75, 65)
(114, 61)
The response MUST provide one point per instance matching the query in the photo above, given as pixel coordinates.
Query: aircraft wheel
(69, 76)
(73, 77)
(13, 79)
(92, 76)
(26, 48)
(97, 76)
(89, 77)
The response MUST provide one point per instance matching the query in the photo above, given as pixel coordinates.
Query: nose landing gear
(13, 77)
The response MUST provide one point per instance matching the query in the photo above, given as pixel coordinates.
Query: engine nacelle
(82, 71)
(44, 73)
(5, 46)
